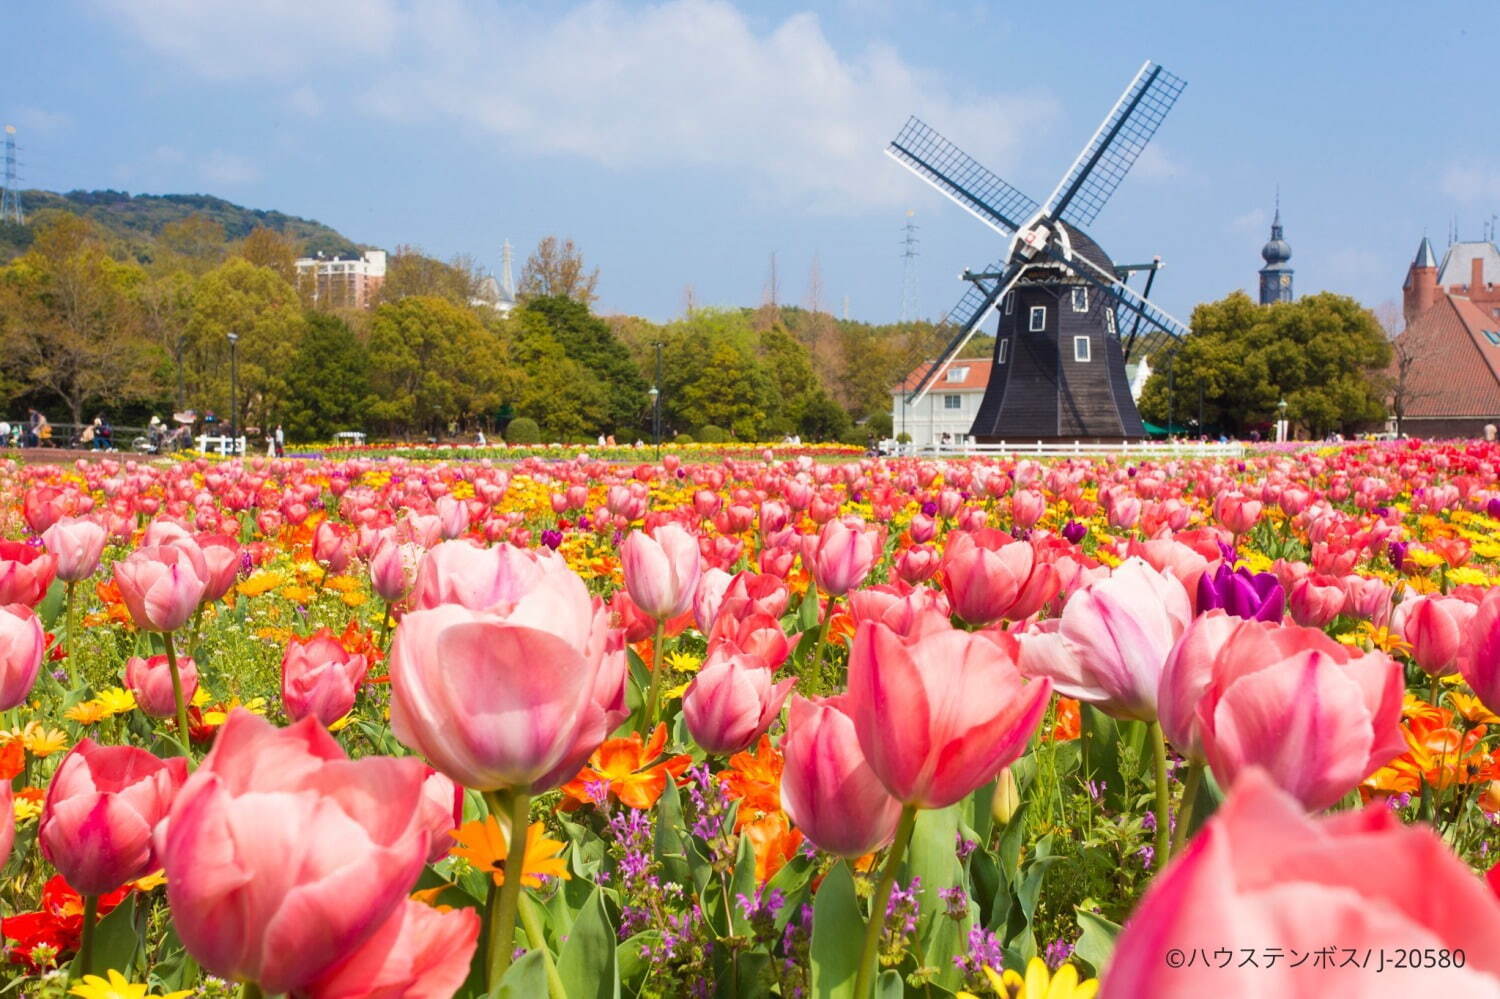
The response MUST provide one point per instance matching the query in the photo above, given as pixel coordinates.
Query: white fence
(221, 445)
(1079, 449)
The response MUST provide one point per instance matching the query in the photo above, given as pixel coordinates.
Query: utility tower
(10, 200)
(909, 269)
(507, 283)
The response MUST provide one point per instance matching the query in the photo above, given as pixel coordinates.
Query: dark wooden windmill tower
(1068, 320)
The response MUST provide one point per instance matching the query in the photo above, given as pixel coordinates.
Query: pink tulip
(442, 812)
(282, 856)
(7, 821)
(1185, 676)
(453, 517)
(1315, 600)
(101, 807)
(333, 546)
(709, 595)
(922, 528)
(989, 578)
(1368, 598)
(515, 697)
(754, 593)
(1110, 644)
(77, 545)
(910, 612)
(661, 572)
(319, 677)
(417, 953)
(463, 573)
(1186, 563)
(841, 555)
(25, 573)
(150, 680)
(162, 585)
(731, 701)
(1434, 627)
(393, 570)
(1026, 508)
(1236, 512)
(941, 714)
(1317, 717)
(1479, 656)
(221, 562)
(1261, 876)
(42, 507)
(918, 564)
(22, 644)
(827, 786)
(755, 633)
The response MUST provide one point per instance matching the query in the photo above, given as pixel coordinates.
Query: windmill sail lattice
(927, 154)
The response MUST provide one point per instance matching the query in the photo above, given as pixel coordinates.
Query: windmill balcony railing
(1070, 449)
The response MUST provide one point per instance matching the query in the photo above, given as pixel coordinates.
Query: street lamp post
(1282, 429)
(656, 402)
(234, 394)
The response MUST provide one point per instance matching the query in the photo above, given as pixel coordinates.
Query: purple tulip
(1397, 552)
(1493, 507)
(1074, 532)
(1241, 593)
(552, 538)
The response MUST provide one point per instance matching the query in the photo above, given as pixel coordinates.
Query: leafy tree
(559, 392)
(72, 321)
(590, 342)
(822, 419)
(263, 311)
(329, 381)
(556, 270)
(269, 248)
(730, 391)
(409, 272)
(195, 243)
(1324, 354)
(433, 363)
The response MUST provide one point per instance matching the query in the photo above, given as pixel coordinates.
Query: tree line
(89, 321)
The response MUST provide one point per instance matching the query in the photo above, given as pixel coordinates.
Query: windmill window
(953, 402)
(1038, 318)
(1109, 320)
(1080, 300)
(1000, 354)
(1010, 302)
(1081, 348)
(1493, 337)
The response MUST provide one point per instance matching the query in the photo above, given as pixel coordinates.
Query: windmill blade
(1115, 146)
(924, 152)
(970, 311)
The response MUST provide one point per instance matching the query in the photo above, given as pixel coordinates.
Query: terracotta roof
(1457, 372)
(976, 376)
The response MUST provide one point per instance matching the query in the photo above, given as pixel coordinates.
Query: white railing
(1079, 449)
(221, 445)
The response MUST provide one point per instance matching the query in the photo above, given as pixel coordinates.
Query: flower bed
(759, 726)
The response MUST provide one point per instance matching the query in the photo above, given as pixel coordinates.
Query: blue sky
(680, 143)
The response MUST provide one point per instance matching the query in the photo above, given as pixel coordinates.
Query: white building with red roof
(949, 407)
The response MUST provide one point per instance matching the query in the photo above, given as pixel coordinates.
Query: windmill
(1068, 320)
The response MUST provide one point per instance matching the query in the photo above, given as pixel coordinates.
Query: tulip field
(757, 725)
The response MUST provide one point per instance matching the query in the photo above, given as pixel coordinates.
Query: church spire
(1276, 275)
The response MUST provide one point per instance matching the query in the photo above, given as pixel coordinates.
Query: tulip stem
(86, 944)
(864, 980)
(250, 990)
(182, 722)
(72, 648)
(533, 925)
(196, 630)
(503, 903)
(1185, 810)
(1163, 798)
(385, 627)
(653, 695)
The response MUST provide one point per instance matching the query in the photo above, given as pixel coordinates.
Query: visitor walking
(280, 442)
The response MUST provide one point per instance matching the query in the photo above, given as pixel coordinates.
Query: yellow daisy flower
(117, 987)
(1040, 984)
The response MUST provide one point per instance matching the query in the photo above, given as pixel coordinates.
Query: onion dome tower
(1276, 276)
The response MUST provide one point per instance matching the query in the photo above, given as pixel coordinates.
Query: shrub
(523, 430)
(683, 439)
(710, 434)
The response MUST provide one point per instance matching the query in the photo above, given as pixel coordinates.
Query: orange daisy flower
(630, 769)
(484, 844)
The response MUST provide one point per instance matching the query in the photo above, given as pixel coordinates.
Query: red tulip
(162, 585)
(754, 593)
(22, 643)
(221, 562)
(989, 578)
(1263, 877)
(25, 573)
(1110, 644)
(661, 572)
(102, 805)
(77, 545)
(319, 677)
(939, 715)
(514, 698)
(1236, 512)
(418, 953)
(757, 634)
(1315, 600)
(1317, 717)
(150, 680)
(827, 786)
(841, 555)
(282, 856)
(732, 700)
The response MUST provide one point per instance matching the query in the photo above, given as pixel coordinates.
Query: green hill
(139, 218)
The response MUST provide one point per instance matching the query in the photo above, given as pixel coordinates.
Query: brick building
(1446, 370)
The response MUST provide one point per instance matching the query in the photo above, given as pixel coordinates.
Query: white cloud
(1156, 163)
(1472, 183)
(305, 101)
(1254, 221)
(219, 167)
(681, 83)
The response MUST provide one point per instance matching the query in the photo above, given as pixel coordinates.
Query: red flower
(57, 924)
